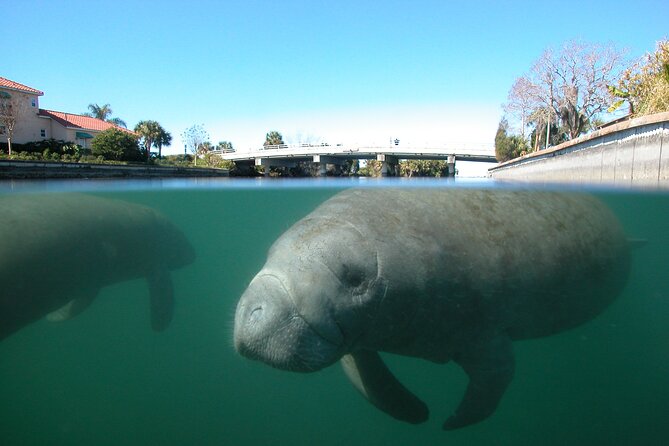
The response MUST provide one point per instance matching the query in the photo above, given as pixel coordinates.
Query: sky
(355, 72)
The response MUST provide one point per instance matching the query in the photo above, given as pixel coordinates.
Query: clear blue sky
(342, 71)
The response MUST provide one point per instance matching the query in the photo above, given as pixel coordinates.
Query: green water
(104, 378)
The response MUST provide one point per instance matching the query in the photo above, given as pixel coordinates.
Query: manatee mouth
(268, 328)
(293, 347)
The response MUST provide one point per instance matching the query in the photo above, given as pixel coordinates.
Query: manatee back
(533, 263)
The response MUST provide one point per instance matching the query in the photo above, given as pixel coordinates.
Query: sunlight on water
(105, 377)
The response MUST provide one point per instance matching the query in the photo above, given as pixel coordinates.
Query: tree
(11, 110)
(645, 84)
(194, 137)
(117, 145)
(508, 146)
(164, 139)
(568, 88)
(546, 128)
(555, 135)
(372, 168)
(522, 101)
(104, 113)
(225, 146)
(204, 151)
(423, 168)
(149, 133)
(273, 138)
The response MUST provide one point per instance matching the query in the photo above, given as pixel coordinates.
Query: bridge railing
(473, 149)
(469, 147)
(298, 146)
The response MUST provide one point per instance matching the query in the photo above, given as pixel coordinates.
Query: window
(42, 133)
(33, 102)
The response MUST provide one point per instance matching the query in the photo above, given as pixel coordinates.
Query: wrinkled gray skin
(444, 275)
(58, 250)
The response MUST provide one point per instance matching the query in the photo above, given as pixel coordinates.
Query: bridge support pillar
(323, 162)
(450, 162)
(266, 163)
(389, 166)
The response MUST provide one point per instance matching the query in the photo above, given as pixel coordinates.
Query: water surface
(105, 378)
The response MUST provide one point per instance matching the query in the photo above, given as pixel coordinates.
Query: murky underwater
(105, 377)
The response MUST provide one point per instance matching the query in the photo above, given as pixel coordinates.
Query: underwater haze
(105, 377)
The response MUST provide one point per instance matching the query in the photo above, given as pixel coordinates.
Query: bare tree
(194, 137)
(522, 101)
(11, 110)
(567, 88)
(574, 82)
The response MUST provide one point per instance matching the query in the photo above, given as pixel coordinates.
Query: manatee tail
(161, 294)
(366, 370)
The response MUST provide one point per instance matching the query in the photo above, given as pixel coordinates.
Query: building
(35, 124)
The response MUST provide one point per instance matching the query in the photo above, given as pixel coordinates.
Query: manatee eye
(353, 276)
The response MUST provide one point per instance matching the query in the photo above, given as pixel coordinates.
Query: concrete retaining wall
(45, 169)
(632, 153)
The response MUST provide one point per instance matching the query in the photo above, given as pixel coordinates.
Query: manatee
(438, 274)
(58, 250)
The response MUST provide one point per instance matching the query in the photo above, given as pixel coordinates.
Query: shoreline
(34, 170)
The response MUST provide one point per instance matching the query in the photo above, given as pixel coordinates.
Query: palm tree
(149, 132)
(225, 146)
(205, 147)
(273, 138)
(104, 112)
(164, 139)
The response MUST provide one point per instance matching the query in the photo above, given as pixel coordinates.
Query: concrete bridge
(288, 155)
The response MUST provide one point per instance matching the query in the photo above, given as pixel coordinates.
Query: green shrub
(26, 156)
(213, 160)
(53, 146)
(117, 145)
(175, 160)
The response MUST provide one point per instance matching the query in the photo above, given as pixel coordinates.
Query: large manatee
(444, 275)
(58, 250)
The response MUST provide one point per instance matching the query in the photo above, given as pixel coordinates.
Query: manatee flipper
(161, 294)
(489, 365)
(368, 373)
(73, 307)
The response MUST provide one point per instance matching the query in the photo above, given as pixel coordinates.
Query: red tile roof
(79, 121)
(6, 83)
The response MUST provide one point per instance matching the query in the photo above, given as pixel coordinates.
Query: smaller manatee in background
(58, 250)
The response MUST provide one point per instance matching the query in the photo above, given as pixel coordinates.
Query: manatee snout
(269, 328)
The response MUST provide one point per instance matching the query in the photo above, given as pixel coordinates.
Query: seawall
(632, 153)
(13, 169)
